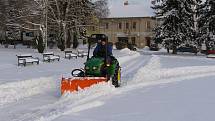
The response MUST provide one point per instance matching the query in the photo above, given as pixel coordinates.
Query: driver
(101, 49)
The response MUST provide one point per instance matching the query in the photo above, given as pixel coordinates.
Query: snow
(211, 56)
(14, 91)
(136, 8)
(155, 87)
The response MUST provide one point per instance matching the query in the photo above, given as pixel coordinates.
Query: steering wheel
(78, 73)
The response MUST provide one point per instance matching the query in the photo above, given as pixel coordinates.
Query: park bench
(50, 56)
(27, 58)
(81, 53)
(69, 54)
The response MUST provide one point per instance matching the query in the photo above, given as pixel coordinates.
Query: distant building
(130, 23)
(134, 30)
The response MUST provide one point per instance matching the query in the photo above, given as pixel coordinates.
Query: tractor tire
(117, 77)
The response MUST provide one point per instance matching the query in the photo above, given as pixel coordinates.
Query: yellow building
(134, 30)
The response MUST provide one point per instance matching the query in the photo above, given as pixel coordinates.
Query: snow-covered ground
(155, 87)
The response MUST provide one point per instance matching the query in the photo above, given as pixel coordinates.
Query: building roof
(151, 17)
(142, 8)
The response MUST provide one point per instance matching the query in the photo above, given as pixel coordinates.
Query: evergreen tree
(177, 26)
(206, 23)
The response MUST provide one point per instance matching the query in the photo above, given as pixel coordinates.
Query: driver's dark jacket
(101, 49)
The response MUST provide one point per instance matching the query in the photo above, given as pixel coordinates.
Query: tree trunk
(167, 49)
(174, 50)
(68, 41)
(64, 35)
(75, 40)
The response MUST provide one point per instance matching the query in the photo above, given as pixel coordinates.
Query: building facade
(134, 30)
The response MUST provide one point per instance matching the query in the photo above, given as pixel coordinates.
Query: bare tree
(69, 16)
(2, 20)
(101, 8)
(59, 17)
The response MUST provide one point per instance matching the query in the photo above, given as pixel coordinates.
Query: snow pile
(128, 55)
(11, 92)
(146, 48)
(128, 51)
(153, 74)
(153, 64)
(147, 73)
(81, 46)
(114, 47)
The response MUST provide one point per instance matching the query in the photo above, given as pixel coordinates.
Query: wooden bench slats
(50, 56)
(24, 55)
(70, 54)
(27, 58)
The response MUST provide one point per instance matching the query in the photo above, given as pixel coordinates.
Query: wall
(141, 32)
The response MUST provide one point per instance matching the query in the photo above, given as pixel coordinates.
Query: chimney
(126, 3)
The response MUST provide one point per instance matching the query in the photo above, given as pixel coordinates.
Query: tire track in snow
(129, 69)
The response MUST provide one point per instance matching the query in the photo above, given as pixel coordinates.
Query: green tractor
(97, 69)
(100, 67)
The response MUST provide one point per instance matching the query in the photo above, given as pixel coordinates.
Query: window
(148, 25)
(94, 29)
(106, 25)
(127, 25)
(29, 34)
(51, 35)
(120, 25)
(133, 40)
(134, 25)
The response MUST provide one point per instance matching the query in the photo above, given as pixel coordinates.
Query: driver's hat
(103, 39)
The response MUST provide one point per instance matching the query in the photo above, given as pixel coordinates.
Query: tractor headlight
(87, 68)
(95, 68)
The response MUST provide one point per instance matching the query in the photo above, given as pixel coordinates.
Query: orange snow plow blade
(74, 84)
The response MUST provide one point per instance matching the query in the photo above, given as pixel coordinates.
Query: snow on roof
(139, 8)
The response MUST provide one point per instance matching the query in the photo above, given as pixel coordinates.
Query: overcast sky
(136, 8)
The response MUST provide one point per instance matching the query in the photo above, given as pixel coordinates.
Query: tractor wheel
(117, 77)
